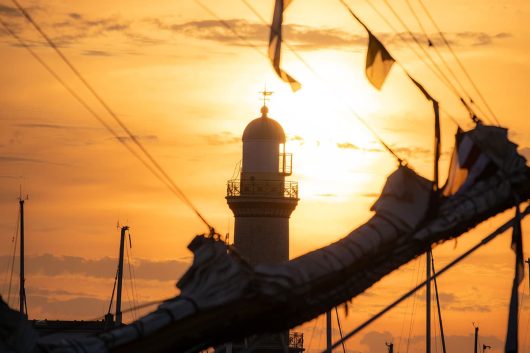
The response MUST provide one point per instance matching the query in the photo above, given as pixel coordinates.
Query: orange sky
(187, 87)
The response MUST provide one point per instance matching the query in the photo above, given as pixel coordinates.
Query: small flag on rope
(513, 320)
(275, 44)
(468, 163)
(378, 61)
(437, 138)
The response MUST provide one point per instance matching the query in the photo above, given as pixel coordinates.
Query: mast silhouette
(23, 306)
(476, 338)
(428, 304)
(329, 337)
(120, 277)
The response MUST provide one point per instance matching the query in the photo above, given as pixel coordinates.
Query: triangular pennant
(378, 62)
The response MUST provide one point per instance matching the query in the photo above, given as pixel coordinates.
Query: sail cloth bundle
(224, 299)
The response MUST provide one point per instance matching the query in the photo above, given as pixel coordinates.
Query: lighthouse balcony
(263, 188)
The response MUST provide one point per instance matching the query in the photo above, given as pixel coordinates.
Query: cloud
(375, 340)
(479, 38)
(96, 53)
(146, 138)
(413, 151)
(10, 159)
(296, 138)
(70, 30)
(313, 38)
(351, 146)
(75, 27)
(95, 26)
(51, 265)
(347, 145)
(52, 126)
(369, 194)
(75, 15)
(9, 11)
(473, 308)
(72, 308)
(224, 138)
(301, 36)
(451, 302)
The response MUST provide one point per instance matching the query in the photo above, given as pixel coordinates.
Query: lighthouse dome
(264, 128)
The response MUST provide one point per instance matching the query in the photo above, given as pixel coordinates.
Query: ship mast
(23, 306)
(428, 304)
(120, 276)
(329, 338)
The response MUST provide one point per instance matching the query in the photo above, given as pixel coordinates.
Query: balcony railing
(262, 188)
(296, 340)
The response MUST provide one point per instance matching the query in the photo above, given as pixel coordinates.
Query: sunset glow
(186, 86)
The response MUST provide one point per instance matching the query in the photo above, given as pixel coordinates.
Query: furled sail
(223, 298)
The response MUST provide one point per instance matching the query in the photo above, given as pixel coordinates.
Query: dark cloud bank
(51, 265)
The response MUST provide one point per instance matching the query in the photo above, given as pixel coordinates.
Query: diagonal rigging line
(429, 57)
(442, 59)
(448, 44)
(85, 105)
(412, 48)
(331, 89)
(425, 52)
(227, 26)
(500, 230)
(157, 166)
(440, 56)
(348, 8)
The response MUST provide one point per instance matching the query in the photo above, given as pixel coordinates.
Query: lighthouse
(261, 199)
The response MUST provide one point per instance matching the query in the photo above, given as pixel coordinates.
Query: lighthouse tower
(262, 200)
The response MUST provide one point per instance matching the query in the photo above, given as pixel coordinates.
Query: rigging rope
(312, 334)
(113, 290)
(335, 94)
(11, 254)
(408, 302)
(414, 301)
(432, 44)
(13, 259)
(427, 54)
(132, 278)
(435, 332)
(133, 137)
(466, 73)
(406, 42)
(87, 107)
(442, 336)
(340, 331)
(348, 8)
(528, 320)
(500, 230)
(131, 302)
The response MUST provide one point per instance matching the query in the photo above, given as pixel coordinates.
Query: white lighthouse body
(262, 200)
